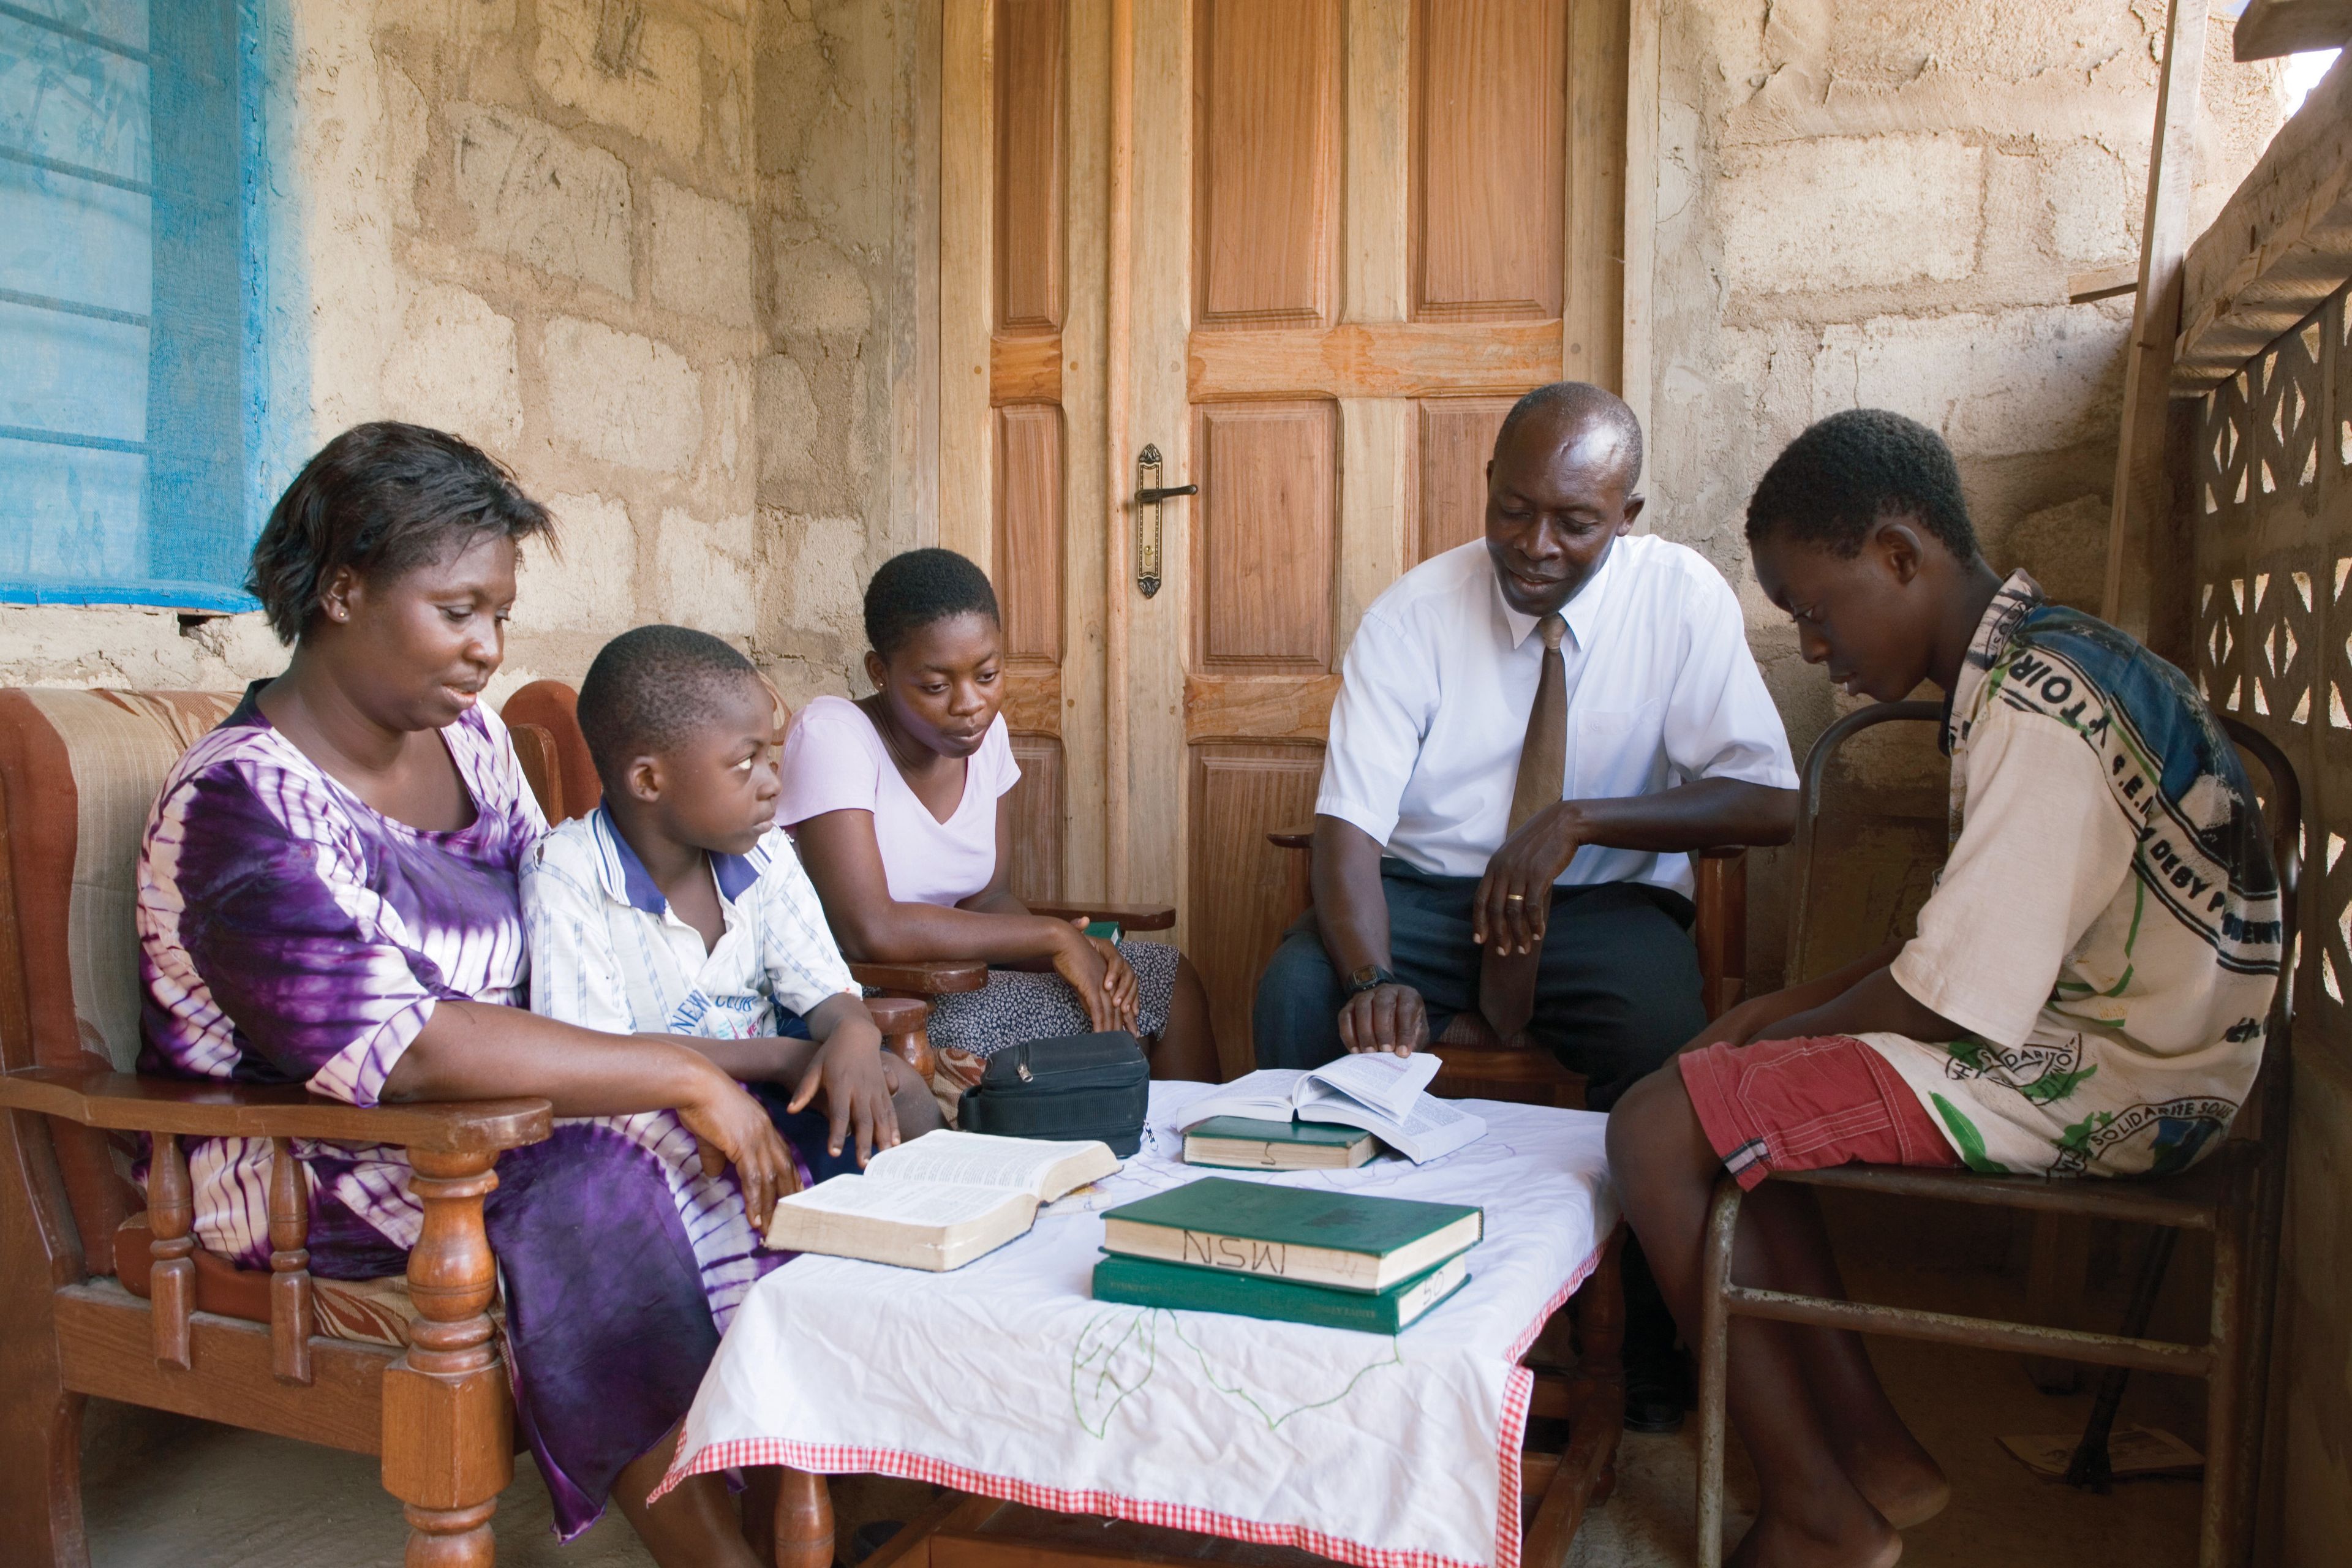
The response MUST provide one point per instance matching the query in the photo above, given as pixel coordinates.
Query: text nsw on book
(1345, 1240)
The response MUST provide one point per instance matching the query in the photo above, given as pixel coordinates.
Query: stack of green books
(1344, 1260)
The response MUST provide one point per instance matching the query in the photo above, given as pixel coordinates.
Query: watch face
(1368, 975)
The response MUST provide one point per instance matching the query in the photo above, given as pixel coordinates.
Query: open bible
(1380, 1093)
(937, 1202)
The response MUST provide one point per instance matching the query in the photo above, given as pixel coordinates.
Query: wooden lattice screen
(2271, 523)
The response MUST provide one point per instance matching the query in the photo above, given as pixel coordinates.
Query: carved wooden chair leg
(172, 1278)
(803, 1520)
(40, 1438)
(292, 1311)
(448, 1420)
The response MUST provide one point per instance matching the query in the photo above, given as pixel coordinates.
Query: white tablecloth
(1006, 1378)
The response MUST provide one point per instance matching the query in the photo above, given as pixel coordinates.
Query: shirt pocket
(1617, 751)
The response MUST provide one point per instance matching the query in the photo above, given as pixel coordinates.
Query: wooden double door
(1306, 252)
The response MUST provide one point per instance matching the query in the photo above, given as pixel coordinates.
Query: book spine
(1243, 1255)
(1247, 1298)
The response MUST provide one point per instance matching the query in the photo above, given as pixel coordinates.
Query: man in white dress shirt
(1668, 744)
(1671, 744)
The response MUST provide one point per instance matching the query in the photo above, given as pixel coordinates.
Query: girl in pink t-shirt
(899, 804)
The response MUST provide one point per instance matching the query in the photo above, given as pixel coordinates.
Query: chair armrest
(898, 1016)
(129, 1102)
(1292, 838)
(901, 1020)
(931, 977)
(1720, 852)
(1131, 917)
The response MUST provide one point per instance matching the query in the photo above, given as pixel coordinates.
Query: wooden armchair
(1477, 1065)
(407, 1369)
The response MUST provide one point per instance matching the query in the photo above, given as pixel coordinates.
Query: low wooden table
(1216, 1436)
(1580, 1380)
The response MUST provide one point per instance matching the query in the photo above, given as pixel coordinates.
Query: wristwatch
(1369, 976)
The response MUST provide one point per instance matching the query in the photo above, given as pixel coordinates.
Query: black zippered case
(1075, 1087)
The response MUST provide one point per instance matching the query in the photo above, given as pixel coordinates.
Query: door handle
(1149, 494)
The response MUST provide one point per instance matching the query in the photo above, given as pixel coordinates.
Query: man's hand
(1385, 1019)
(730, 1128)
(848, 1067)
(1513, 904)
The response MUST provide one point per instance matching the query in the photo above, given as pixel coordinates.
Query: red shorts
(1798, 1105)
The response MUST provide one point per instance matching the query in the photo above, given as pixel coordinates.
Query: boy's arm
(806, 973)
(848, 1066)
(1755, 1018)
(1874, 1005)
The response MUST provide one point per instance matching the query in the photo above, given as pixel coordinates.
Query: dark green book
(1140, 1281)
(1245, 1142)
(1348, 1241)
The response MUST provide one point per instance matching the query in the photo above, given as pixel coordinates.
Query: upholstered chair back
(78, 773)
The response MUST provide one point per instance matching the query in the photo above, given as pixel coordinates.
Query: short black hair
(1582, 400)
(913, 590)
(381, 499)
(1831, 485)
(651, 689)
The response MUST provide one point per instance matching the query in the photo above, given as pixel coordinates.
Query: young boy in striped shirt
(677, 907)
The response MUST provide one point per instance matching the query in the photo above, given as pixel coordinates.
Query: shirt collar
(2017, 597)
(627, 880)
(1582, 613)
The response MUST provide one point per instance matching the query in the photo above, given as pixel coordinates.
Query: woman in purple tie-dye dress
(328, 895)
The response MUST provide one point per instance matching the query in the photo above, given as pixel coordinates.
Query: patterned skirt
(1019, 1005)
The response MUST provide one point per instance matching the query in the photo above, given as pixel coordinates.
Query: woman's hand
(1513, 904)
(849, 1068)
(1085, 962)
(732, 1128)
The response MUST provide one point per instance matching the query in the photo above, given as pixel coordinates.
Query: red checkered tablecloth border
(835, 1459)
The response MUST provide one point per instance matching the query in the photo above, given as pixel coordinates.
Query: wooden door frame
(1089, 368)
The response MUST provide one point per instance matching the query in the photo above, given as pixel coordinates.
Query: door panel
(1262, 593)
(1309, 250)
(1030, 73)
(1456, 435)
(1266, 109)
(1489, 156)
(1039, 810)
(1029, 536)
(1241, 791)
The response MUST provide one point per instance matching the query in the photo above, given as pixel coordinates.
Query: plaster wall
(544, 223)
(1865, 205)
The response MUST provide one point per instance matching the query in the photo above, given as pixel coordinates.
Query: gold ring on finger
(1515, 898)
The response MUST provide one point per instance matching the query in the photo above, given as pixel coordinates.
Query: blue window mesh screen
(132, 397)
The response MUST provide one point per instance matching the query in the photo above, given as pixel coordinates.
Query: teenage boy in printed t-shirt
(2086, 996)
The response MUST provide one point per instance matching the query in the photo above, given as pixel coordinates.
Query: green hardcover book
(1141, 1282)
(1245, 1142)
(1348, 1241)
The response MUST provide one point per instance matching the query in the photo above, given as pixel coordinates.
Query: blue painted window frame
(131, 477)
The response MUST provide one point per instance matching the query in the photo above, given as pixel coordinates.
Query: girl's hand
(1119, 977)
(730, 1128)
(1079, 960)
(857, 1091)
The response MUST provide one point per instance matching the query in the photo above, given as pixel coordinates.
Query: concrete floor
(162, 1492)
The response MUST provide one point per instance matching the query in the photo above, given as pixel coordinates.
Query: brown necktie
(1506, 981)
